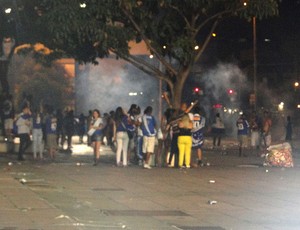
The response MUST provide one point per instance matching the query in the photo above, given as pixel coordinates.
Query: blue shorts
(96, 138)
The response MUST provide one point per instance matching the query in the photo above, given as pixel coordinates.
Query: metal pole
(159, 96)
(254, 63)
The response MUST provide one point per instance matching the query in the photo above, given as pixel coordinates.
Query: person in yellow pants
(185, 141)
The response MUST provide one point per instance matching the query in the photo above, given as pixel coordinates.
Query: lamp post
(254, 62)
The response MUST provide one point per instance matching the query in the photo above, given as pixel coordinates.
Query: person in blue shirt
(121, 136)
(242, 133)
(148, 127)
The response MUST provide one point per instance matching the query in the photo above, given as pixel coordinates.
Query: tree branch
(140, 64)
(208, 38)
(146, 40)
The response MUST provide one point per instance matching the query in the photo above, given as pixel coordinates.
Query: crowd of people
(138, 138)
(133, 135)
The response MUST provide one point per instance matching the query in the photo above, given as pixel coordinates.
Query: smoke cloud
(113, 83)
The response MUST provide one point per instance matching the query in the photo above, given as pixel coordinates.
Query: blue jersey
(51, 125)
(242, 126)
(197, 131)
(148, 125)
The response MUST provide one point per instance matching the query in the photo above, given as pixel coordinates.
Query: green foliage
(46, 85)
(91, 32)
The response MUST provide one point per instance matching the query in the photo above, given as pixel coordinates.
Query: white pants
(122, 145)
(255, 138)
(37, 142)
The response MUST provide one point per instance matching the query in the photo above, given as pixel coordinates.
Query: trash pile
(280, 155)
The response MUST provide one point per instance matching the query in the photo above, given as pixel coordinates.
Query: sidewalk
(72, 194)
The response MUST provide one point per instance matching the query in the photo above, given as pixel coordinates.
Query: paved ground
(72, 194)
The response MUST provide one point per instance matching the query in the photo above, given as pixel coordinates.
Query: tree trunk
(178, 87)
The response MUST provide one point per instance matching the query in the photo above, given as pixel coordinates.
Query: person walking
(95, 132)
(185, 126)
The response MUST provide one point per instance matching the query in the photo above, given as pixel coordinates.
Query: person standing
(95, 132)
(218, 130)
(174, 132)
(185, 126)
(60, 137)
(242, 133)
(148, 127)
(121, 136)
(266, 130)
(255, 128)
(88, 124)
(24, 123)
(110, 131)
(69, 128)
(8, 114)
(51, 134)
(173, 127)
(288, 129)
(37, 135)
(198, 134)
(132, 114)
(81, 127)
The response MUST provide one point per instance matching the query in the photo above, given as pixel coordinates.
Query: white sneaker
(146, 166)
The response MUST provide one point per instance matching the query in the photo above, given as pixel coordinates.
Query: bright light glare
(164, 47)
(7, 10)
(281, 106)
(151, 56)
(82, 5)
(245, 3)
(196, 47)
(133, 94)
(214, 34)
(296, 84)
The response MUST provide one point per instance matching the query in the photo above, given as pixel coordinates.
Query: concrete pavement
(72, 194)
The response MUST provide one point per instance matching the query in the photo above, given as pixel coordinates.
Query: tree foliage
(170, 28)
(44, 85)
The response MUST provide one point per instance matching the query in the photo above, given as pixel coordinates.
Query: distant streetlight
(7, 10)
(82, 5)
(296, 84)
